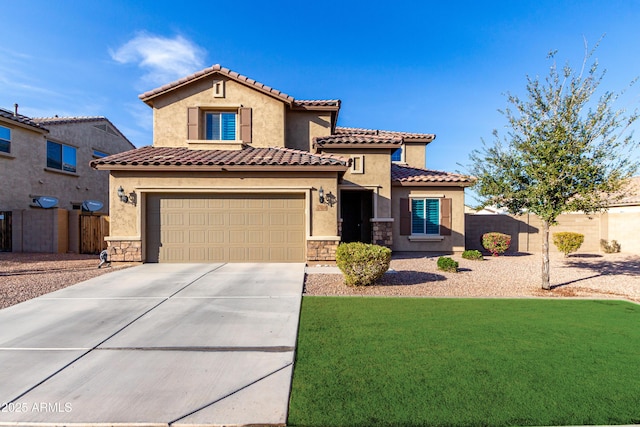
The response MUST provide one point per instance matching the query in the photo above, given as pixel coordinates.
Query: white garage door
(225, 228)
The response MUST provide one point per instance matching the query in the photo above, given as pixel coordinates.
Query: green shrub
(472, 254)
(568, 242)
(447, 264)
(609, 248)
(496, 243)
(361, 263)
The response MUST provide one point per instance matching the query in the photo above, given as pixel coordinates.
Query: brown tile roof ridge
(373, 140)
(22, 119)
(249, 156)
(318, 102)
(402, 173)
(217, 68)
(341, 130)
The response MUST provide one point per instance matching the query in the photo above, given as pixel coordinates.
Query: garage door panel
(226, 228)
(237, 218)
(255, 219)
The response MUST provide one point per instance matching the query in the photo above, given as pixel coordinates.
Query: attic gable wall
(170, 111)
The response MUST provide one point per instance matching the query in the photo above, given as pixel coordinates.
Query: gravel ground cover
(416, 275)
(27, 275)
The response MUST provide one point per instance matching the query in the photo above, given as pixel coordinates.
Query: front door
(356, 209)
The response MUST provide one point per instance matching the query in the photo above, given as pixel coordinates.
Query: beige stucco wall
(303, 126)
(453, 243)
(128, 221)
(624, 227)
(170, 112)
(376, 176)
(415, 155)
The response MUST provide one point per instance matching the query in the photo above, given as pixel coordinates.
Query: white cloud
(163, 59)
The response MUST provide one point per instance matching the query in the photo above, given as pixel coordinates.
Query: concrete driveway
(159, 344)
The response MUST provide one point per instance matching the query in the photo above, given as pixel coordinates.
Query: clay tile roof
(406, 174)
(19, 118)
(632, 191)
(317, 103)
(220, 70)
(372, 141)
(181, 156)
(360, 131)
(62, 120)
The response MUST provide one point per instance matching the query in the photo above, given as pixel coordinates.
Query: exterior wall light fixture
(329, 199)
(124, 198)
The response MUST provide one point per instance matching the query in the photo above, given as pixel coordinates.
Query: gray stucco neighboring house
(43, 160)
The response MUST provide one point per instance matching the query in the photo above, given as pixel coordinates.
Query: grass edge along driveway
(461, 362)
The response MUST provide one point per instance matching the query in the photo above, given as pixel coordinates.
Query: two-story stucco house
(48, 159)
(241, 172)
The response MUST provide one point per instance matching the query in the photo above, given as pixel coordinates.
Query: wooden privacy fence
(93, 229)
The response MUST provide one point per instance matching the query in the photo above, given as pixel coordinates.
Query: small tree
(563, 151)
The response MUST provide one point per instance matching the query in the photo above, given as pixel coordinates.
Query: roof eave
(39, 129)
(430, 184)
(217, 168)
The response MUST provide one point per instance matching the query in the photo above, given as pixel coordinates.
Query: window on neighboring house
(425, 216)
(396, 155)
(5, 139)
(220, 126)
(99, 154)
(60, 156)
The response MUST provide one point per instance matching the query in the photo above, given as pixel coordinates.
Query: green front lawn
(459, 362)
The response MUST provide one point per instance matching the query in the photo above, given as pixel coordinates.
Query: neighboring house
(624, 219)
(241, 172)
(44, 160)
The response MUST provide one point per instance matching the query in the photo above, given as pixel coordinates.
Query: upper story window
(99, 154)
(425, 216)
(220, 126)
(5, 139)
(60, 156)
(396, 155)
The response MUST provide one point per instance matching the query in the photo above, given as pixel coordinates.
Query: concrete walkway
(159, 344)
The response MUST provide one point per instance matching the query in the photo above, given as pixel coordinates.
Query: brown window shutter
(193, 123)
(445, 217)
(405, 217)
(245, 124)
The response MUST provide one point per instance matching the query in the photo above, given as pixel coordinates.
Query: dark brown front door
(356, 209)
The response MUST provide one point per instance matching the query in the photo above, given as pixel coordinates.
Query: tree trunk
(545, 256)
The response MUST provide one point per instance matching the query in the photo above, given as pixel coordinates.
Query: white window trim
(360, 162)
(403, 158)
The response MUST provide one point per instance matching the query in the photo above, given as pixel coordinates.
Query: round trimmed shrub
(568, 242)
(447, 264)
(473, 255)
(362, 264)
(496, 243)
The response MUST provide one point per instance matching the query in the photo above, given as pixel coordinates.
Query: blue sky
(422, 66)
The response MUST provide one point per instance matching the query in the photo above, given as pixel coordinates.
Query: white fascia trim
(336, 238)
